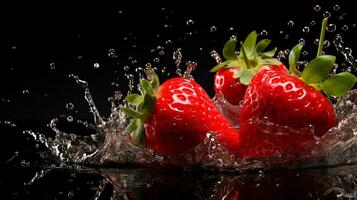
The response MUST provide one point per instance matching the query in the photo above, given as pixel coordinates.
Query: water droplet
(317, 8)
(156, 60)
(326, 44)
(126, 68)
(231, 29)
(52, 66)
(70, 194)
(168, 42)
(111, 53)
(316, 41)
(286, 36)
(69, 106)
(327, 14)
(313, 23)
(290, 23)
(13, 47)
(336, 7)
(306, 29)
(264, 33)
(331, 27)
(96, 65)
(213, 29)
(69, 118)
(353, 25)
(233, 37)
(302, 40)
(345, 27)
(305, 53)
(161, 53)
(190, 22)
(25, 92)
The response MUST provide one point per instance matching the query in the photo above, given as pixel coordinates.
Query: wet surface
(140, 183)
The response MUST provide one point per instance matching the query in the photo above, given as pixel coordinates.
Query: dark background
(71, 38)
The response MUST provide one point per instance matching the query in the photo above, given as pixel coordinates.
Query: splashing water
(107, 146)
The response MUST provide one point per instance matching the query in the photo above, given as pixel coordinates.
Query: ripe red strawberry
(176, 116)
(234, 74)
(232, 89)
(283, 114)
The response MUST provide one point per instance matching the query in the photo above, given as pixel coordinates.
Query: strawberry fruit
(176, 116)
(283, 114)
(233, 75)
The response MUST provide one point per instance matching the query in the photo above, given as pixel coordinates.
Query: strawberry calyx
(251, 59)
(141, 106)
(317, 71)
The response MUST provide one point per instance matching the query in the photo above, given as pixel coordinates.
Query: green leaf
(146, 87)
(246, 76)
(229, 50)
(271, 61)
(227, 63)
(318, 69)
(339, 84)
(131, 113)
(261, 46)
(249, 43)
(217, 67)
(134, 99)
(155, 82)
(139, 134)
(147, 106)
(131, 127)
(268, 54)
(294, 58)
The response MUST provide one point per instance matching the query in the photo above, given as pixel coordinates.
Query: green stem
(245, 58)
(322, 36)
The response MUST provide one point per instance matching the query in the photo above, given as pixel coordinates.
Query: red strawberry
(175, 117)
(282, 114)
(234, 74)
(232, 89)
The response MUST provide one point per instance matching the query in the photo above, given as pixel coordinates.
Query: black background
(74, 37)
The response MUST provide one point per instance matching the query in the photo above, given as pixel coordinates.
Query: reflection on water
(139, 183)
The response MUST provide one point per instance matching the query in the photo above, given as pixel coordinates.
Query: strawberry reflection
(303, 184)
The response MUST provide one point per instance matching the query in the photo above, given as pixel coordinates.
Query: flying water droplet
(190, 22)
(69, 118)
(331, 27)
(326, 44)
(70, 106)
(336, 7)
(216, 56)
(25, 92)
(156, 60)
(317, 8)
(213, 29)
(290, 23)
(306, 29)
(327, 14)
(264, 33)
(96, 65)
(313, 23)
(52, 66)
(126, 68)
(344, 27)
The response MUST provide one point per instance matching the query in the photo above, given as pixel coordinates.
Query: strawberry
(233, 75)
(283, 113)
(176, 116)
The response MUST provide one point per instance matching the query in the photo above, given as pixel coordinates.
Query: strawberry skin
(230, 87)
(282, 115)
(182, 117)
